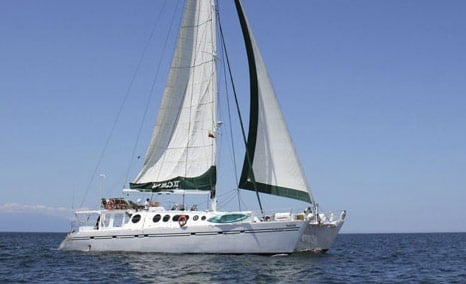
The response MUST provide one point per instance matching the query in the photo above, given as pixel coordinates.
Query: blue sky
(373, 92)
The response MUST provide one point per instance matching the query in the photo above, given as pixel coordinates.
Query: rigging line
(230, 120)
(226, 193)
(151, 92)
(241, 201)
(227, 200)
(226, 196)
(239, 114)
(120, 110)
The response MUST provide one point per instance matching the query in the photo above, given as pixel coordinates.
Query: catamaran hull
(318, 237)
(254, 238)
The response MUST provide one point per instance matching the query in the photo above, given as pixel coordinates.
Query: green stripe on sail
(206, 181)
(247, 172)
(254, 98)
(276, 190)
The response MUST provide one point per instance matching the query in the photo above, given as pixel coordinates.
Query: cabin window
(166, 218)
(176, 217)
(118, 220)
(156, 218)
(203, 218)
(195, 218)
(105, 220)
(136, 218)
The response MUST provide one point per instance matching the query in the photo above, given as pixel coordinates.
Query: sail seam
(194, 66)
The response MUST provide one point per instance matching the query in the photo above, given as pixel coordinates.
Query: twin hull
(272, 237)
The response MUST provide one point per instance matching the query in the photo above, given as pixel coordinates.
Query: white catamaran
(181, 157)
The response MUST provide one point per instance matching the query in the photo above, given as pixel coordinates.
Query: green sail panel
(271, 164)
(276, 190)
(204, 182)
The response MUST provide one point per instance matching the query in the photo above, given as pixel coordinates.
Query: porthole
(195, 218)
(156, 218)
(203, 218)
(177, 217)
(136, 218)
(166, 218)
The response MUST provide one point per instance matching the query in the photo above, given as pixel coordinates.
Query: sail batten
(181, 154)
(271, 164)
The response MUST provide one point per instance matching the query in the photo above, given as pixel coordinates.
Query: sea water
(354, 258)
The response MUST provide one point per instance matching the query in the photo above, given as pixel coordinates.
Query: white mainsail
(182, 151)
(275, 166)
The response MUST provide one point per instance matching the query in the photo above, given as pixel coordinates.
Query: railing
(330, 216)
(297, 214)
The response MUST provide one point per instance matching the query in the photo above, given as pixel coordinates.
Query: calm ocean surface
(358, 258)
